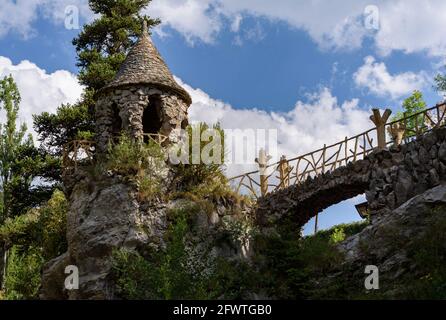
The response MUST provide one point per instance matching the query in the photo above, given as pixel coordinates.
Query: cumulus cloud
(194, 19)
(40, 91)
(310, 124)
(19, 15)
(375, 77)
(306, 127)
(405, 25)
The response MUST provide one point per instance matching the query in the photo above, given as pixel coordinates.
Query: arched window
(117, 121)
(151, 119)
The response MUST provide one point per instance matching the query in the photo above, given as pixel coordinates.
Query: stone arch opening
(151, 119)
(339, 213)
(116, 126)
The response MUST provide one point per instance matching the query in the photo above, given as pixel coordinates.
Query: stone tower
(144, 98)
(106, 214)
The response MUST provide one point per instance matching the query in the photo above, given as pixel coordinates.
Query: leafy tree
(35, 238)
(412, 105)
(20, 163)
(11, 139)
(440, 83)
(56, 129)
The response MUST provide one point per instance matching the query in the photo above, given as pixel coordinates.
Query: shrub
(183, 270)
(338, 235)
(143, 161)
(22, 279)
(44, 227)
(163, 276)
(192, 175)
(37, 237)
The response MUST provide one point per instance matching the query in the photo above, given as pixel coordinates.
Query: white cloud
(19, 15)
(194, 19)
(375, 77)
(307, 127)
(40, 91)
(405, 25)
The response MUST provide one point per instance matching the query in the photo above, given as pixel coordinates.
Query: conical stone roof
(144, 65)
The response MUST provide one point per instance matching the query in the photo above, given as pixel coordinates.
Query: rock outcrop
(107, 215)
(395, 243)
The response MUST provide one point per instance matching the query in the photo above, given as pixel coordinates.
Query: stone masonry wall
(131, 103)
(388, 178)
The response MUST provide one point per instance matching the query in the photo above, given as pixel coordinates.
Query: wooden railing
(77, 152)
(155, 137)
(287, 172)
(81, 152)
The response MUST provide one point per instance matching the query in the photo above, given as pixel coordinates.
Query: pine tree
(101, 48)
(102, 45)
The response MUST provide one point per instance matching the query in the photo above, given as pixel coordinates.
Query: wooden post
(284, 173)
(380, 123)
(315, 222)
(262, 161)
(397, 131)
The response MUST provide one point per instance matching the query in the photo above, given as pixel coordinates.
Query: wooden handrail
(329, 157)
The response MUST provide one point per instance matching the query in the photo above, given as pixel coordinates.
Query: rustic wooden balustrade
(297, 170)
(81, 152)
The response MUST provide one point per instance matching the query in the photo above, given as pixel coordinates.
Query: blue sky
(308, 63)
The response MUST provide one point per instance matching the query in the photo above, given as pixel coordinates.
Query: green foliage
(291, 263)
(180, 271)
(165, 276)
(11, 139)
(144, 161)
(196, 171)
(68, 123)
(338, 235)
(22, 279)
(440, 83)
(33, 238)
(411, 106)
(102, 45)
(428, 253)
(204, 180)
(43, 228)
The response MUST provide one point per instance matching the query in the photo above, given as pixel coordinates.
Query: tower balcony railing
(78, 153)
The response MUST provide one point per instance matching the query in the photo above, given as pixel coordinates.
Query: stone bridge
(388, 177)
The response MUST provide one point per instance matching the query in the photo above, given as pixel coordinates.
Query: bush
(291, 264)
(22, 279)
(143, 161)
(37, 237)
(44, 227)
(183, 270)
(193, 175)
